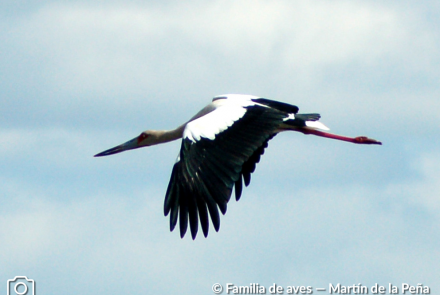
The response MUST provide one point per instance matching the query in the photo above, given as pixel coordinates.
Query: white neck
(162, 136)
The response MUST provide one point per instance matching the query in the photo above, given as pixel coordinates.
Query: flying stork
(220, 147)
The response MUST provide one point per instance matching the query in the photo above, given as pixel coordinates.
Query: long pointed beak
(129, 145)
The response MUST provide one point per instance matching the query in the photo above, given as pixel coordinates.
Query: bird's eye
(142, 137)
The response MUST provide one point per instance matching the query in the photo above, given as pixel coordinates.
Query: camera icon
(21, 285)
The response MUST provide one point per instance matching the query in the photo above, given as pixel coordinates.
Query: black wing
(203, 178)
(249, 167)
(281, 106)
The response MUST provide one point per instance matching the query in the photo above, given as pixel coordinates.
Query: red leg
(358, 140)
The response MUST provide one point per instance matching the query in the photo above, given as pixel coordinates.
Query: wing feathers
(281, 106)
(202, 180)
(238, 187)
(183, 214)
(203, 215)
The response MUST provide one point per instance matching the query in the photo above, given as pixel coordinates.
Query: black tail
(300, 119)
(308, 117)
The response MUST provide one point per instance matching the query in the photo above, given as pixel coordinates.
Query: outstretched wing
(249, 167)
(217, 150)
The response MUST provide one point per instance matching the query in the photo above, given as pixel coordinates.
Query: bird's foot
(365, 140)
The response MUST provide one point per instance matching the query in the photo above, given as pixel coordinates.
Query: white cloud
(129, 49)
(90, 61)
(317, 211)
(308, 235)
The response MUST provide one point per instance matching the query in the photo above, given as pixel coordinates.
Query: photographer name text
(255, 288)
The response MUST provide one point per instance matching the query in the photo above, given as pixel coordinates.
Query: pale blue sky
(78, 77)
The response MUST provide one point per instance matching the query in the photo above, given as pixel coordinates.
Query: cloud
(80, 77)
(128, 49)
(83, 63)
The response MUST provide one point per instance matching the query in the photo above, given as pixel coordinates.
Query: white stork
(221, 145)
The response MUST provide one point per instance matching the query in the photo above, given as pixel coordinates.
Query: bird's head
(146, 138)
